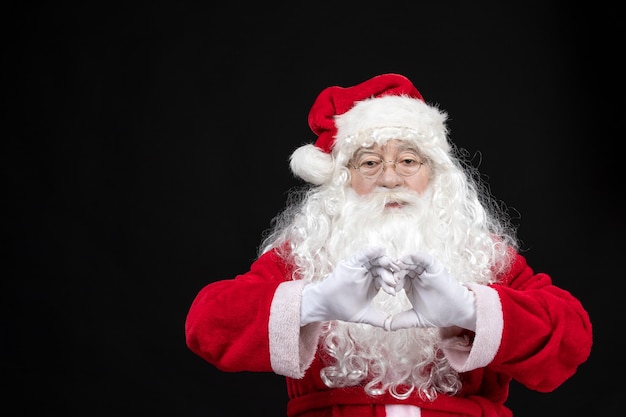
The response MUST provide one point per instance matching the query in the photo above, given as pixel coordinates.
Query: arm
(228, 323)
(264, 321)
(526, 328)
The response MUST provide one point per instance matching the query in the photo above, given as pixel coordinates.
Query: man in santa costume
(392, 284)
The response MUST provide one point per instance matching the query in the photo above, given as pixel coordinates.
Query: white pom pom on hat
(340, 114)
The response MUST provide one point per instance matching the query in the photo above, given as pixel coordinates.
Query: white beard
(404, 356)
(366, 221)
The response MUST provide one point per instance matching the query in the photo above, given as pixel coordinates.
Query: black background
(146, 149)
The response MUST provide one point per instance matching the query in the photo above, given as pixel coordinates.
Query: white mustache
(384, 196)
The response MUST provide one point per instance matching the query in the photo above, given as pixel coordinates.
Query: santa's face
(393, 165)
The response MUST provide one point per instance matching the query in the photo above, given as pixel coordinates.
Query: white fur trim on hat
(402, 112)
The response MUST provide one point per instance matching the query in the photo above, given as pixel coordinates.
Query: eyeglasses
(372, 167)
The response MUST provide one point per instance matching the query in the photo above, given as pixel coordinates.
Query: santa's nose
(389, 177)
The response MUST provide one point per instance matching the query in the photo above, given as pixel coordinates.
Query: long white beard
(364, 353)
(367, 221)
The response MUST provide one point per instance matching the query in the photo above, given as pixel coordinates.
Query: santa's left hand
(385, 272)
(438, 299)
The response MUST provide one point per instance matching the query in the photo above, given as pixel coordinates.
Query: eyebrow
(402, 147)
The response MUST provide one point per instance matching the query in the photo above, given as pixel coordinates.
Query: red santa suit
(524, 323)
(526, 329)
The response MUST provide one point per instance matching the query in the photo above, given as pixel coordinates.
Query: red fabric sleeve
(227, 323)
(547, 332)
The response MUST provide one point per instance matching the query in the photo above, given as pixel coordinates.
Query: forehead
(392, 146)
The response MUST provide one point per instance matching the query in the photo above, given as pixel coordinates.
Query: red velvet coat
(527, 329)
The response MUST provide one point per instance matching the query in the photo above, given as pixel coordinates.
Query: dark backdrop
(146, 150)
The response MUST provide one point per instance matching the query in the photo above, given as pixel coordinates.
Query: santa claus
(392, 284)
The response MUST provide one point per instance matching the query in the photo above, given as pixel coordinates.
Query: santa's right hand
(346, 293)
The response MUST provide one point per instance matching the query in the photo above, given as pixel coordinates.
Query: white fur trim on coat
(292, 348)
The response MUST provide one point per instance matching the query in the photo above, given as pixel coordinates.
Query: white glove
(347, 293)
(438, 299)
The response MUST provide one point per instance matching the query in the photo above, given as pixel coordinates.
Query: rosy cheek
(423, 184)
(361, 187)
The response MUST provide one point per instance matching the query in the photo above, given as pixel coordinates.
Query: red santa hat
(343, 118)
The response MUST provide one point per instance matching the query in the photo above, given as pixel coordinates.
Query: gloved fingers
(385, 262)
(421, 262)
(384, 271)
(401, 277)
(404, 320)
(366, 257)
(386, 279)
(410, 264)
(401, 281)
(408, 271)
(385, 282)
(374, 317)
